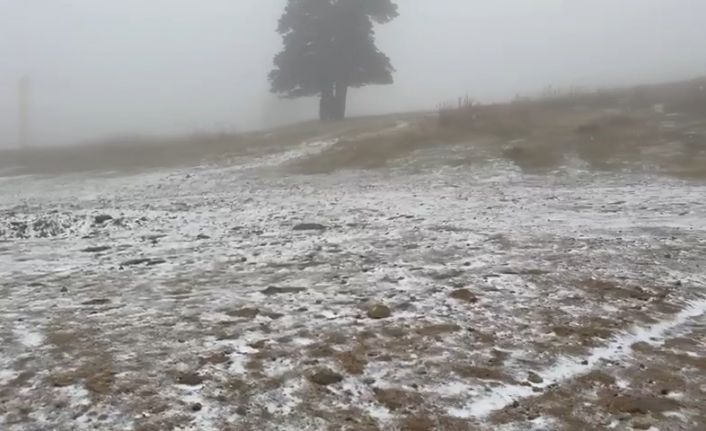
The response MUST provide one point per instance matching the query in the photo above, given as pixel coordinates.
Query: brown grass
(660, 128)
(136, 153)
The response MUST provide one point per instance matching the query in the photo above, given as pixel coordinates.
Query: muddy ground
(425, 294)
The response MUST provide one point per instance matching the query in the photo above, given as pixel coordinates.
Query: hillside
(655, 128)
(537, 265)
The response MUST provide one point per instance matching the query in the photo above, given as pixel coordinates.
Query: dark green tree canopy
(329, 45)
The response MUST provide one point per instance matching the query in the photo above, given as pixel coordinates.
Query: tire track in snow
(568, 368)
(305, 149)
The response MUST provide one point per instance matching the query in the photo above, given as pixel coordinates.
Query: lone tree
(329, 46)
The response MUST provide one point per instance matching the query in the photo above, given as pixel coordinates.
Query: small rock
(273, 290)
(98, 249)
(535, 378)
(325, 377)
(258, 344)
(64, 290)
(309, 226)
(246, 313)
(196, 407)
(99, 301)
(189, 379)
(154, 238)
(379, 311)
(642, 424)
(439, 329)
(102, 218)
(464, 295)
(143, 261)
(134, 262)
(202, 236)
(216, 358)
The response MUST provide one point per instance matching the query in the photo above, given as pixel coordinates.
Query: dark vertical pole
(24, 95)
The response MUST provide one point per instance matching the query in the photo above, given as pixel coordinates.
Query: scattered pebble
(325, 377)
(379, 311)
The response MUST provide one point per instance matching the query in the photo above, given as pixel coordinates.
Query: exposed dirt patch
(482, 373)
(464, 295)
(274, 290)
(325, 377)
(396, 399)
(216, 358)
(597, 378)
(438, 329)
(354, 363)
(101, 382)
(245, 313)
(642, 405)
(189, 378)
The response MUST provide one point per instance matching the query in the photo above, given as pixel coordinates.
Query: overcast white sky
(101, 68)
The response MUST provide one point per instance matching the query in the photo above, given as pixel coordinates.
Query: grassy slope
(660, 128)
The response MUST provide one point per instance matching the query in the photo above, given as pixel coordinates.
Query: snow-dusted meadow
(241, 296)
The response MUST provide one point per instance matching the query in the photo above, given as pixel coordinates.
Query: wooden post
(24, 95)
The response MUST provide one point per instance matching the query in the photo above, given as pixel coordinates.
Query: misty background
(106, 68)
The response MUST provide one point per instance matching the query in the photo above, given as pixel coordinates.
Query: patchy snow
(200, 270)
(569, 368)
(28, 337)
(305, 149)
(284, 401)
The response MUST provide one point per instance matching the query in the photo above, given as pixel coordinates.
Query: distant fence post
(24, 95)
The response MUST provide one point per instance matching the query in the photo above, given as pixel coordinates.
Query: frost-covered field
(240, 297)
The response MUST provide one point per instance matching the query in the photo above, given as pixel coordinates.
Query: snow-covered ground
(241, 297)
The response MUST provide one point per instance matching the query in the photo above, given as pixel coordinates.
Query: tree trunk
(327, 104)
(340, 101)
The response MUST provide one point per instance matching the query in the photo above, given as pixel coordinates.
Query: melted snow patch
(568, 368)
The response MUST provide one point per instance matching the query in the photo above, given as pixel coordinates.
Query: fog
(103, 68)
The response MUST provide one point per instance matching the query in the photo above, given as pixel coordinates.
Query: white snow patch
(283, 401)
(454, 389)
(206, 418)
(240, 355)
(567, 368)
(677, 415)
(6, 375)
(302, 341)
(29, 338)
(379, 413)
(303, 150)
